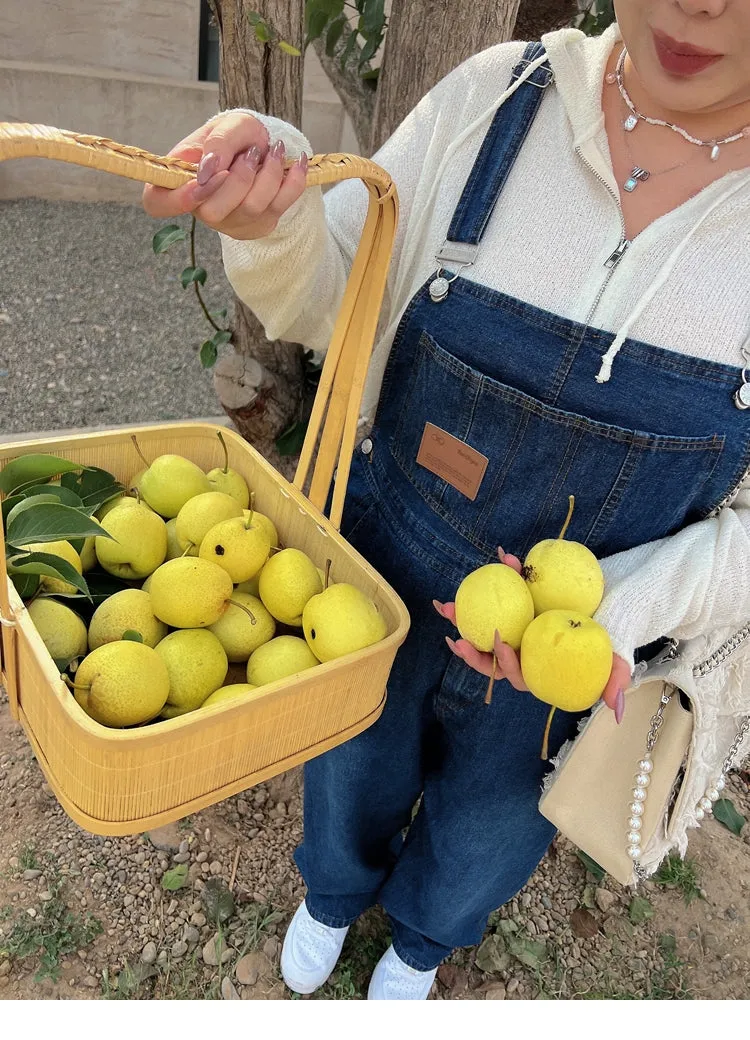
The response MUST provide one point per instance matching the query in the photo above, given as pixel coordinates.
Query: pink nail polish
(438, 607)
(278, 151)
(451, 644)
(207, 167)
(253, 157)
(303, 162)
(205, 191)
(619, 706)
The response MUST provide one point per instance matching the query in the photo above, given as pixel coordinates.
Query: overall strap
(499, 150)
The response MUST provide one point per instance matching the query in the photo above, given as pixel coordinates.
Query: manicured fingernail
(438, 607)
(303, 162)
(278, 151)
(452, 645)
(204, 191)
(619, 706)
(253, 157)
(500, 551)
(498, 643)
(207, 167)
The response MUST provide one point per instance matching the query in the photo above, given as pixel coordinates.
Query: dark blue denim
(657, 447)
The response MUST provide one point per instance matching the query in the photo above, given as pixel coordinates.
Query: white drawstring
(606, 367)
(426, 211)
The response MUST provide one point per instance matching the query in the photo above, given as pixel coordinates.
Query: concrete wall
(148, 37)
(148, 111)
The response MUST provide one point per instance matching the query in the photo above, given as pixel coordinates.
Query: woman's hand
(241, 189)
(507, 664)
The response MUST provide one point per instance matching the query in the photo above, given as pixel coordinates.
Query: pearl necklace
(631, 121)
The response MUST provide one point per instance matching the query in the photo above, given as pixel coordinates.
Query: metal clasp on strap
(544, 74)
(461, 253)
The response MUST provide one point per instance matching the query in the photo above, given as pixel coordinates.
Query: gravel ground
(94, 328)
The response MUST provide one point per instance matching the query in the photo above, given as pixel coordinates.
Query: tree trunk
(536, 17)
(426, 40)
(260, 386)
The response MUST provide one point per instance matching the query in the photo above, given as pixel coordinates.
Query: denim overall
(657, 447)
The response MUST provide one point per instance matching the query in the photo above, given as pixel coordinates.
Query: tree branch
(356, 94)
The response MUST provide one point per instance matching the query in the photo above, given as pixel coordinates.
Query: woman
(591, 223)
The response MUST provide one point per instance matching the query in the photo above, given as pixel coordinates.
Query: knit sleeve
(294, 278)
(681, 586)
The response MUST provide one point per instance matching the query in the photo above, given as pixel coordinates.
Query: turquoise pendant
(638, 175)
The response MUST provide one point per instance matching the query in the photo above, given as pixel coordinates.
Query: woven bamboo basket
(119, 782)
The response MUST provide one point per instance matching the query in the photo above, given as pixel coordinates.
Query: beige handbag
(616, 783)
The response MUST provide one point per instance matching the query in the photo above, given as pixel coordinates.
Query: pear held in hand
(340, 620)
(493, 598)
(566, 659)
(564, 575)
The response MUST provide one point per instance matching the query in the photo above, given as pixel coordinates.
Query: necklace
(632, 120)
(639, 174)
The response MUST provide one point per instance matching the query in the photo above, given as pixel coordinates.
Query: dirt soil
(85, 917)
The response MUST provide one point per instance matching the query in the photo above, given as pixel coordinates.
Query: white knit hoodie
(683, 284)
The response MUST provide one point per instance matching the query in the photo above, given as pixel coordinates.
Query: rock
(215, 867)
(228, 991)
(182, 857)
(583, 924)
(605, 899)
(179, 949)
(149, 953)
(13, 863)
(31, 875)
(162, 958)
(31, 911)
(45, 897)
(512, 985)
(191, 934)
(4, 968)
(271, 948)
(251, 967)
(90, 982)
(453, 977)
(216, 950)
(525, 903)
(166, 839)
(495, 991)
(201, 857)
(198, 919)
(4, 981)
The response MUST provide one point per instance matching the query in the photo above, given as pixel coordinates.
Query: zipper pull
(613, 260)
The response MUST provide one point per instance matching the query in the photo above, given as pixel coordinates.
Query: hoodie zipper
(614, 258)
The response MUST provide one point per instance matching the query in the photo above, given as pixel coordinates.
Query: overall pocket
(631, 486)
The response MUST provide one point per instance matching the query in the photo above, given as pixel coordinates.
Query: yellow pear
(169, 711)
(238, 545)
(171, 481)
(279, 658)
(230, 483)
(200, 514)
(237, 691)
(122, 684)
(566, 659)
(66, 552)
(340, 620)
(250, 587)
(241, 631)
(88, 553)
(190, 593)
(138, 544)
(174, 551)
(564, 575)
(62, 630)
(126, 611)
(111, 504)
(197, 665)
(287, 582)
(493, 597)
(134, 484)
(265, 522)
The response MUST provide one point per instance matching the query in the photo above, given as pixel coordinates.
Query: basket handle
(335, 410)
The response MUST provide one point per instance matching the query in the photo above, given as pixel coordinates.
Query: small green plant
(681, 874)
(595, 16)
(55, 932)
(27, 858)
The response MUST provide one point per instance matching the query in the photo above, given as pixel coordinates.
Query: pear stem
(226, 452)
(545, 739)
(72, 685)
(327, 574)
(491, 683)
(249, 612)
(249, 523)
(190, 545)
(144, 460)
(572, 501)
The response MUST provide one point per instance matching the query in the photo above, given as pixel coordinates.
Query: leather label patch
(452, 460)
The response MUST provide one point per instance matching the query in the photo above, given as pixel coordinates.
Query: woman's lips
(682, 59)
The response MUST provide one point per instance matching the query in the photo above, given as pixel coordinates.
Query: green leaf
(591, 865)
(640, 910)
(209, 354)
(725, 813)
(132, 636)
(193, 274)
(371, 74)
(175, 878)
(29, 503)
(48, 565)
(26, 584)
(507, 927)
(492, 955)
(219, 315)
(291, 440)
(101, 586)
(94, 487)
(373, 17)
(316, 24)
(289, 48)
(54, 491)
(9, 503)
(217, 900)
(532, 954)
(263, 32)
(253, 17)
(335, 30)
(369, 51)
(50, 522)
(167, 236)
(31, 469)
(588, 899)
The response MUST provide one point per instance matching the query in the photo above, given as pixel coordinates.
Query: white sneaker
(310, 952)
(394, 980)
